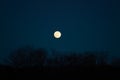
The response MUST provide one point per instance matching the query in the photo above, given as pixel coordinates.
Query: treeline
(30, 57)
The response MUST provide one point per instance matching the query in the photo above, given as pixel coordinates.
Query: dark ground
(68, 72)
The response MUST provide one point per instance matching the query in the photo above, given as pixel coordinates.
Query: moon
(57, 34)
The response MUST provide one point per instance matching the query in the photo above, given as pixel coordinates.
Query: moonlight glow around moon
(57, 34)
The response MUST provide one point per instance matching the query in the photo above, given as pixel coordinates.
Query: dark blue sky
(86, 25)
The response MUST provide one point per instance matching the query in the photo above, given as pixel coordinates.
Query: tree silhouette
(72, 59)
(38, 57)
(102, 58)
(89, 59)
(27, 56)
(19, 58)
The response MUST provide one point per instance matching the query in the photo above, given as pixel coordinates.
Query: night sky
(86, 25)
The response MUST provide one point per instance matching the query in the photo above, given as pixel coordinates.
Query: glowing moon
(57, 34)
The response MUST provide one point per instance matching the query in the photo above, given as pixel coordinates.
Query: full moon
(57, 34)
